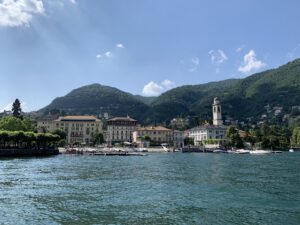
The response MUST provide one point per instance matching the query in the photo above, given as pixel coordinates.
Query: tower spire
(217, 113)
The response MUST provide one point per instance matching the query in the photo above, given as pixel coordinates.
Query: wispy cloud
(105, 55)
(155, 89)
(14, 13)
(218, 56)
(294, 53)
(8, 107)
(251, 63)
(120, 45)
(73, 2)
(109, 54)
(239, 49)
(194, 64)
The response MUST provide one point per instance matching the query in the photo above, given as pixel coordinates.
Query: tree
(11, 123)
(16, 109)
(295, 141)
(62, 134)
(189, 141)
(97, 138)
(233, 138)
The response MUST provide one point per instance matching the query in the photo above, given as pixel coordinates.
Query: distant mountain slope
(240, 98)
(95, 99)
(146, 100)
(185, 100)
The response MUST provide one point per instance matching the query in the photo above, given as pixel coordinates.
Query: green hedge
(20, 139)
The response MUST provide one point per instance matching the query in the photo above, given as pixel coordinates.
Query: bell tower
(217, 113)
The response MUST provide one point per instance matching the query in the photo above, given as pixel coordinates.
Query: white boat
(260, 152)
(219, 151)
(291, 150)
(164, 146)
(141, 149)
(241, 151)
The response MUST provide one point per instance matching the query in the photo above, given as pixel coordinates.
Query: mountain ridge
(240, 98)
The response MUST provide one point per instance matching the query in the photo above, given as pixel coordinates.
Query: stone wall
(28, 152)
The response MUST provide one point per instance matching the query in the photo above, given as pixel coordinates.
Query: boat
(241, 151)
(291, 150)
(219, 151)
(164, 146)
(260, 152)
(141, 149)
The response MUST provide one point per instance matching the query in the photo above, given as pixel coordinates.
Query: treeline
(27, 140)
(265, 137)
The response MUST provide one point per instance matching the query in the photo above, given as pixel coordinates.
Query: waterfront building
(120, 129)
(44, 126)
(158, 135)
(79, 129)
(213, 135)
(178, 139)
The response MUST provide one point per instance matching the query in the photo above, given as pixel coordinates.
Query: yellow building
(79, 129)
(157, 134)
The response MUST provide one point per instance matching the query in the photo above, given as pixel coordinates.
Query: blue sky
(49, 47)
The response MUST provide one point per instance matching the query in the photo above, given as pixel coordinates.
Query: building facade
(79, 129)
(215, 134)
(120, 129)
(159, 135)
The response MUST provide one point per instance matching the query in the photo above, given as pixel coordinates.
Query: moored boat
(241, 151)
(260, 152)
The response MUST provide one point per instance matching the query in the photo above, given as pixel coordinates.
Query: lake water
(165, 188)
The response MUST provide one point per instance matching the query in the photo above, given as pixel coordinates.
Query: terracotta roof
(77, 118)
(122, 119)
(158, 128)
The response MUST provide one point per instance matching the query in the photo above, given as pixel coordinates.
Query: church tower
(217, 113)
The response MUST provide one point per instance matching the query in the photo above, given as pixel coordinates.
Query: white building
(120, 129)
(211, 134)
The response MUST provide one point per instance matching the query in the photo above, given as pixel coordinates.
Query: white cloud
(250, 63)
(155, 89)
(152, 89)
(218, 56)
(14, 13)
(168, 84)
(120, 45)
(73, 1)
(107, 54)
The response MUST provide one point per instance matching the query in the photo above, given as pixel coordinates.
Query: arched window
(219, 109)
(215, 109)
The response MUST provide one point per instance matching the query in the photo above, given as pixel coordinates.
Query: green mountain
(144, 99)
(240, 98)
(95, 99)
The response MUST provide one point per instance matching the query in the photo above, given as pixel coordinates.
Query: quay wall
(28, 152)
